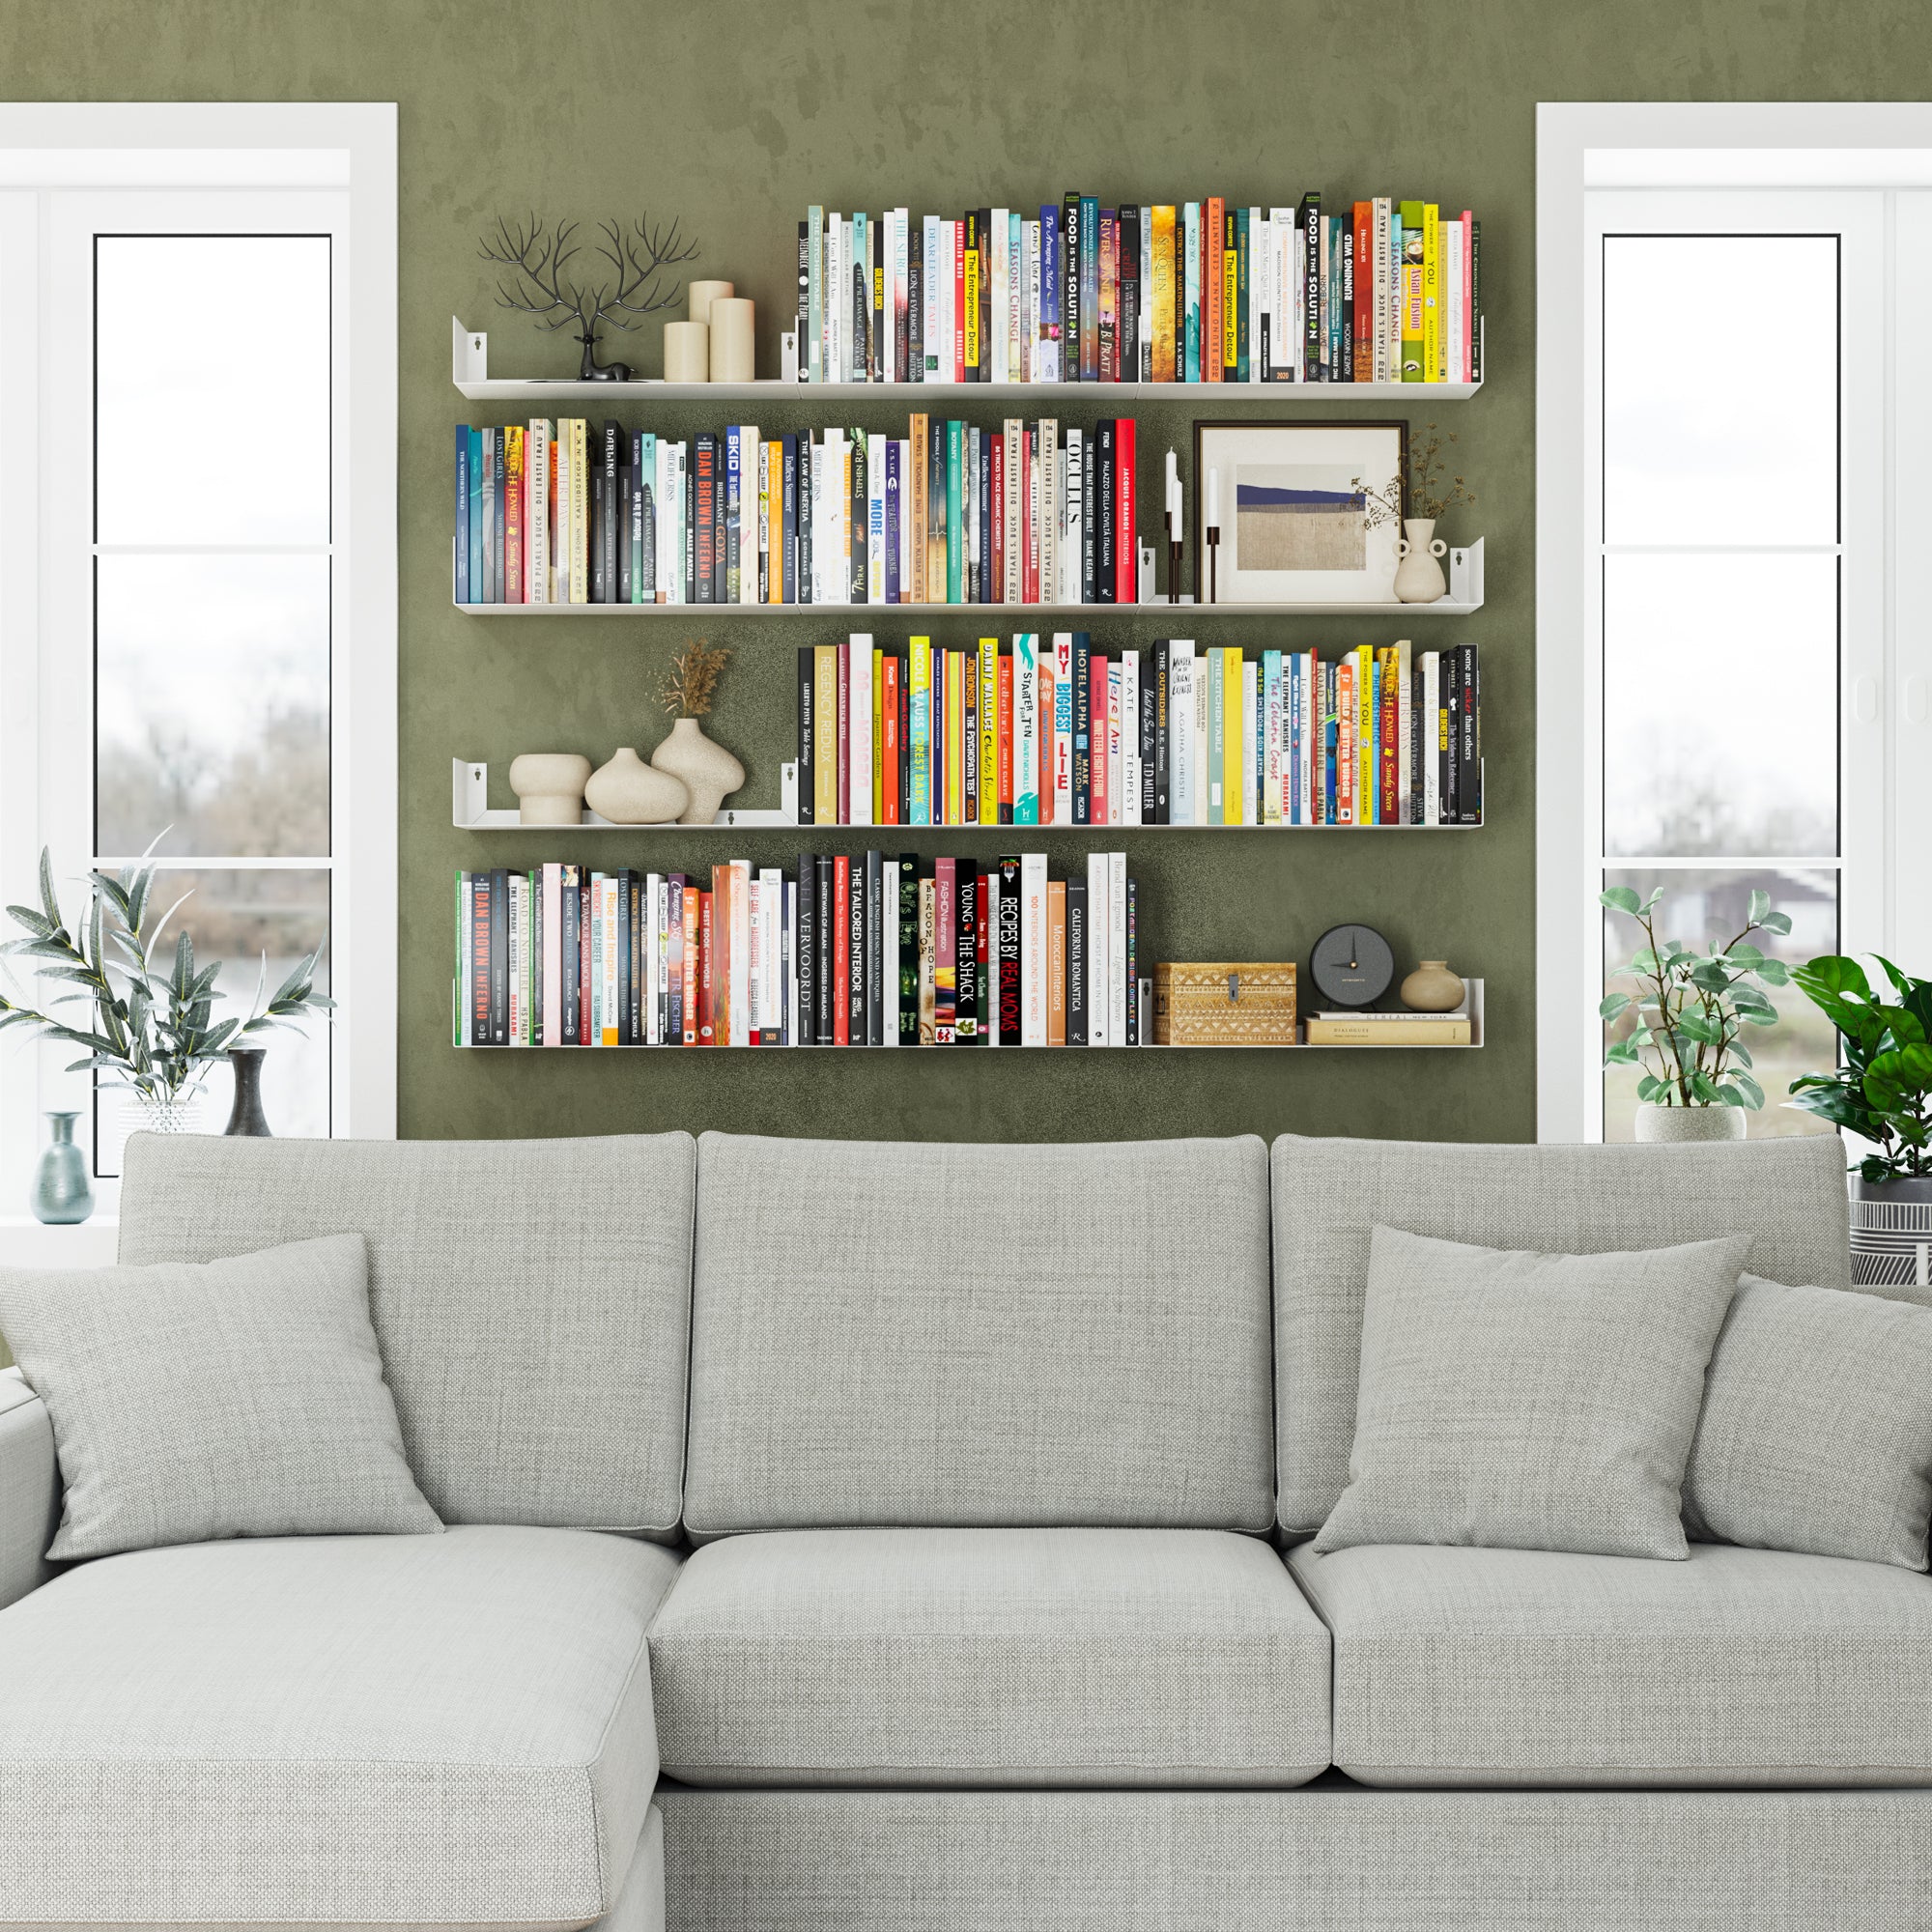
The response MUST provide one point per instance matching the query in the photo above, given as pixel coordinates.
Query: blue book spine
(477, 594)
(1090, 288)
(892, 488)
(1047, 362)
(461, 580)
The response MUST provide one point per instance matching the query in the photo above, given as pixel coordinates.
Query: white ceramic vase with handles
(1418, 574)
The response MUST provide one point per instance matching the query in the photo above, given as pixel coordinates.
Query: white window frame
(1886, 692)
(348, 148)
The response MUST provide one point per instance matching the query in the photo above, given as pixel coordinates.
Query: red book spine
(514, 486)
(1005, 735)
(1389, 723)
(707, 972)
(958, 300)
(944, 950)
(691, 895)
(889, 739)
(1364, 318)
(1127, 564)
(841, 951)
(1097, 738)
(996, 508)
(587, 914)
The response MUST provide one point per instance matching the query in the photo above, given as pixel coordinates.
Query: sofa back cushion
(1788, 1195)
(930, 1335)
(531, 1299)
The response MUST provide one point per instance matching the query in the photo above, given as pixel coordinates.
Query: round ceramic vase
(710, 773)
(550, 787)
(1677, 1125)
(627, 791)
(1431, 988)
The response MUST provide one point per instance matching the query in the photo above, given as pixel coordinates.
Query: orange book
(1005, 741)
(889, 739)
(713, 997)
(1213, 220)
(1056, 962)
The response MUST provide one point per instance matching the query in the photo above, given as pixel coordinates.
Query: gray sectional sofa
(913, 1539)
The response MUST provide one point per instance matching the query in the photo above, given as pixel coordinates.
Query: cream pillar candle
(733, 325)
(704, 295)
(686, 352)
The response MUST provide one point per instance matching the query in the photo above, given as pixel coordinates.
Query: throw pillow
(1528, 1401)
(232, 1397)
(1816, 1434)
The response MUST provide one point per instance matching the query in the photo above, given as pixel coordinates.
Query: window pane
(1703, 908)
(212, 362)
(1720, 424)
(212, 705)
(1720, 705)
(238, 918)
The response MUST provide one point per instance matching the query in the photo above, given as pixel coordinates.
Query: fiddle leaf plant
(1691, 1008)
(1882, 1087)
(151, 1022)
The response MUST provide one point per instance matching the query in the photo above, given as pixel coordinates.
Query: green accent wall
(732, 118)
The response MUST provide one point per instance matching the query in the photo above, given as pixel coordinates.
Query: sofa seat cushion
(1737, 1667)
(449, 1729)
(990, 1657)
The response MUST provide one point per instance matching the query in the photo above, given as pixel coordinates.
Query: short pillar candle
(733, 330)
(686, 352)
(705, 293)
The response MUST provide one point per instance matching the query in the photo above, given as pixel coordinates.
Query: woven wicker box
(1224, 1002)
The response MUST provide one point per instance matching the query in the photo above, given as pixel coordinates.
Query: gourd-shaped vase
(710, 773)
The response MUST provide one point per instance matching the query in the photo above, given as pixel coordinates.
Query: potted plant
(1418, 501)
(1689, 1012)
(1882, 1091)
(151, 1032)
(708, 771)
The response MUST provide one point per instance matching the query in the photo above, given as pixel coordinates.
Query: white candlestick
(1172, 504)
(1213, 499)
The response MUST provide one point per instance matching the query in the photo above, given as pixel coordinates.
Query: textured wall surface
(734, 117)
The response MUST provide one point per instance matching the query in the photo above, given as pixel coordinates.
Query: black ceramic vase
(246, 1116)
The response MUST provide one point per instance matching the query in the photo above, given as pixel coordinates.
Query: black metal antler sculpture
(537, 255)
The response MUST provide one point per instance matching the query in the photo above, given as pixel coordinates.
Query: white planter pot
(186, 1113)
(1657, 1125)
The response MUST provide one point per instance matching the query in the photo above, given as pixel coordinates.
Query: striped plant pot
(1892, 1233)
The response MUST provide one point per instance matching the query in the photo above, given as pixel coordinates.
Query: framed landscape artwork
(1295, 528)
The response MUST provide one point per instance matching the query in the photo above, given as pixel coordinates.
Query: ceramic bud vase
(246, 1116)
(1892, 1231)
(1656, 1125)
(550, 787)
(62, 1194)
(710, 773)
(627, 791)
(1431, 988)
(1418, 577)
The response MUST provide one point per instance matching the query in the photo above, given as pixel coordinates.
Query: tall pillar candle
(705, 293)
(733, 330)
(686, 352)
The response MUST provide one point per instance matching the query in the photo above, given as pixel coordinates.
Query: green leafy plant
(1882, 1089)
(1690, 1008)
(150, 1029)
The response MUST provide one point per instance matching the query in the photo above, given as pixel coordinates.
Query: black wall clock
(1351, 965)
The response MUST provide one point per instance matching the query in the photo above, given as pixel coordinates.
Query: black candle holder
(1173, 570)
(1213, 563)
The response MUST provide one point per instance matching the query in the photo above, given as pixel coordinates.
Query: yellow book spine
(1231, 305)
(971, 293)
(825, 735)
(919, 684)
(1434, 358)
(1419, 1032)
(1365, 736)
(1163, 295)
(989, 732)
(1232, 746)
(878, 737)
(956, 737)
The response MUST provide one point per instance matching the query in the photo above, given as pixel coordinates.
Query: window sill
(25, 1243)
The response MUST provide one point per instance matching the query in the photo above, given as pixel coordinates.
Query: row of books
(863, 949)
(571, 511)
(1189, 292)
(1059, 733)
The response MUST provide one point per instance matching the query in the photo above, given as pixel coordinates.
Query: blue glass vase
(62, 1193)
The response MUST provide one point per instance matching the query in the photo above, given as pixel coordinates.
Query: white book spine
(1404, 733)
(901, 291)
(876, 530)
(1071, 532)
(1206, 779)
(1432, 724)
(1271, 794)
(607, 909)
(1099, 929)
(794, 1032)
(1452, 277)
(536, 514)
(1049, 509)
(859, 713)
(514, 921)
(1029, 340)
(750, 454)
(769, 1008)
(930, 329)
(755, 963)
(738, 952)
(1063, 727)
(888, 953)
(1130, 738)
(1026, 728)
(1180, 776)
(995, 346)
(465, 959)
(1255, 234)
(1033, 948)
(653, 898)
(1250, 738)
(1117, 948)
(1117, 744)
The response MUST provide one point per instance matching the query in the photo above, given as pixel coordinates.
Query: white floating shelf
(470, 364)
(471, 812)
(697, 612)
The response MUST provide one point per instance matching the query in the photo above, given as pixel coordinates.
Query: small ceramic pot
(62, 1194)
(1656, 1124)
(710, 773)
(1431, 988)
(550, 787)
(1418, 577)
(1892, 1231)
(179, 1114)
(627, 791)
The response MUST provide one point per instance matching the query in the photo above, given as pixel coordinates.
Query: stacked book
(1056, 731)
(867, 949)
(1380, 290)
(573, 512)
(1354, 1029)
